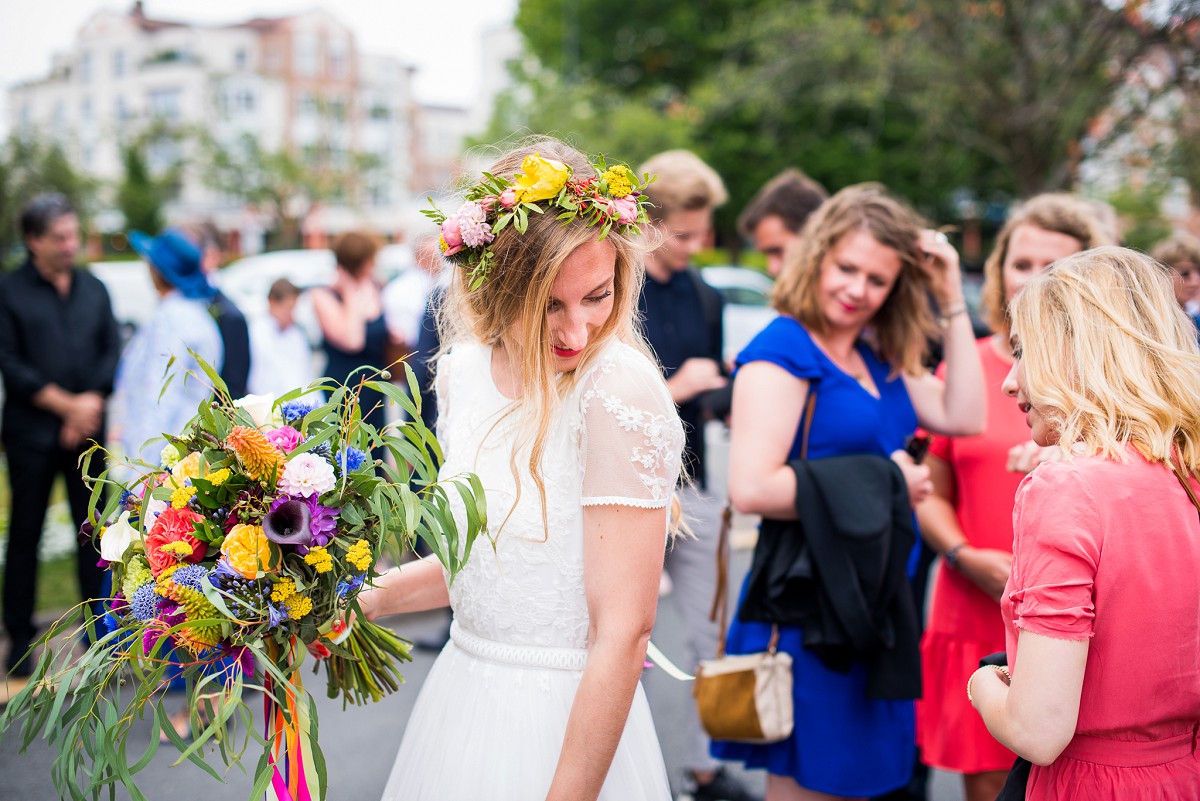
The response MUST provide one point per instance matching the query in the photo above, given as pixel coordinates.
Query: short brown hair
(791, 196)
(1055, 212)
(354, 251)
(683, 182)
(1179, 248)
(900, 331)
(282, 289)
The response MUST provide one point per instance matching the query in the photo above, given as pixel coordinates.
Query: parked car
(130, 290)
(747, 296)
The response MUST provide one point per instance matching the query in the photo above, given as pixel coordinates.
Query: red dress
(1109, 551)
(964, 623)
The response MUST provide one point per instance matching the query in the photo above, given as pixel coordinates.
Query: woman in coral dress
(968, 516)
(1102, 608)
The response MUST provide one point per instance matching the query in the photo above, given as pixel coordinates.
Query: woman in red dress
(968, 517)
(1102, 607)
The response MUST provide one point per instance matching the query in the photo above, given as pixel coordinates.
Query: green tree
(284, 184)
(140, 196)
(28, 168)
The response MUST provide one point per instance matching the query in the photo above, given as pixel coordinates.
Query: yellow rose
(540, 179)
(189, 467)
(249, 552)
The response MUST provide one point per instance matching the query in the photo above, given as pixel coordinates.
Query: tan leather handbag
(746, 697)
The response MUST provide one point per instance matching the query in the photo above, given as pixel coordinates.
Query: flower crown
(615, 197)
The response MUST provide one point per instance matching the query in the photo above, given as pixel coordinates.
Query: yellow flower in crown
(540, 179)
(619, 180)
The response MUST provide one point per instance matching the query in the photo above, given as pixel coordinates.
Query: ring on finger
(940, 238)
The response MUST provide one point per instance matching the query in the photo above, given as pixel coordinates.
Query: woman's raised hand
(941, 267)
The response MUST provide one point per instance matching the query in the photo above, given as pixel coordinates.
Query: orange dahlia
(261, 459)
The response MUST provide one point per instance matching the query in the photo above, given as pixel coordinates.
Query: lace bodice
(616, 440)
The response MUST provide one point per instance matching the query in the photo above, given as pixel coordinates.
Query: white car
(747, 296)
(247, 281)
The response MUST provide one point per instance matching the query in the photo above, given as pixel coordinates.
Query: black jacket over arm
(840, 571)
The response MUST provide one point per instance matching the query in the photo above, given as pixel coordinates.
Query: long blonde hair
(1111, 357)
(900, 331)
(509, 310)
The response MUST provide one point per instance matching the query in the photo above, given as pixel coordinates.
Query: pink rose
(285, 438)
(626, 209)
(451, 237)
(508, 198)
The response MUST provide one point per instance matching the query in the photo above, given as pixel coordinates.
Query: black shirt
(235, 336)
(46, 338)
(680, 324)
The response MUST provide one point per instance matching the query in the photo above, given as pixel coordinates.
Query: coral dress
(490, 719)
(964, 622)
(1108, 551)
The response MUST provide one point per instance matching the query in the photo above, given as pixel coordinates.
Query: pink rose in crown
(508, 198)
(451, 237)
(285, 438)
(626, 209)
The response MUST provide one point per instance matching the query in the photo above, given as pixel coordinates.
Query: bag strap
(720, 605)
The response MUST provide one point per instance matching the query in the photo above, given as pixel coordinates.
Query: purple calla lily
(289, 523)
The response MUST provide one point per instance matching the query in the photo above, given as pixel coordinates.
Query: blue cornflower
(294, 411)
(323, 450)
(129, 501)
(346, 586)
(144, 602)
(350, 459)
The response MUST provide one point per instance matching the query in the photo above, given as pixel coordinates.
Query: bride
(547, 392)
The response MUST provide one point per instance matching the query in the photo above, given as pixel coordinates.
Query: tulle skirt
(489, 724)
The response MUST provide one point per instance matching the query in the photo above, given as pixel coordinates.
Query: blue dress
(844, 743)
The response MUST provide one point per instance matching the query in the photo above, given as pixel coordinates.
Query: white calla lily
(116, 539)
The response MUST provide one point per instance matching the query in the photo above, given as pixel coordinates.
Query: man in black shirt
(59, 345)
(682, 317)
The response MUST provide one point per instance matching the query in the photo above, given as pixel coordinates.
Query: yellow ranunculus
(189, 467)
(249, 552)
(540, 179)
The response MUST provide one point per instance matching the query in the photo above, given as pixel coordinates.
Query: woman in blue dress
(854, 329)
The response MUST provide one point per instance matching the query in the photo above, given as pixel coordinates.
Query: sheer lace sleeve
(632, 438)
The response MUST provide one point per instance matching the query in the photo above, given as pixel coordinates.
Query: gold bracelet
(1003, 671)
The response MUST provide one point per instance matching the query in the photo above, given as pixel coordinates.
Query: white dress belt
(534, 656)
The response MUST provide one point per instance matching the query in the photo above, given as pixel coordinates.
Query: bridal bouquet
(242, 550)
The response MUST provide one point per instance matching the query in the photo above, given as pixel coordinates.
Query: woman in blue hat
(142, 407)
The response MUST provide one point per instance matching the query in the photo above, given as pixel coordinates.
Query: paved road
(360, 743)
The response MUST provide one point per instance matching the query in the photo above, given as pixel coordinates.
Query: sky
(439, 36)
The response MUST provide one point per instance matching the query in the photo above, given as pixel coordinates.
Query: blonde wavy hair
(900, 331)
(1111, 357)
(509, 310)
(1055, 212)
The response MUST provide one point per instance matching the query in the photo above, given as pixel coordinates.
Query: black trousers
(31, 475)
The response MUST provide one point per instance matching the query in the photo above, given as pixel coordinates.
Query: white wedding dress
(490, 718)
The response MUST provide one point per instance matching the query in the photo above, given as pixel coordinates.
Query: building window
(306, 105)
(337, 58)
(87, 156)
(120, 111)
(240, 58)
(85, 67)
(306, 54)
(164, 103)
(85, 109)
(337, 109)
(118, 63)
(163, 154)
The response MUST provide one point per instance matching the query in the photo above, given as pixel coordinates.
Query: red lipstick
(565, 353)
